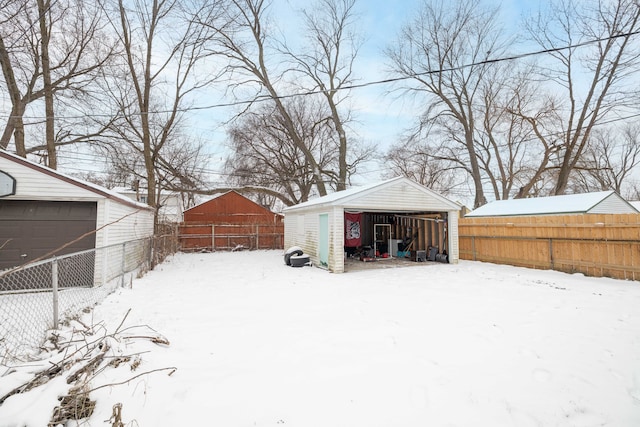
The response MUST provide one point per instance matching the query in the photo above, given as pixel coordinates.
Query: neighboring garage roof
(397, 194)
(94, 188)
(603, 202)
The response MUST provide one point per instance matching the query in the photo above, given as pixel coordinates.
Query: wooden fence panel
(214, 237)
(594, 244)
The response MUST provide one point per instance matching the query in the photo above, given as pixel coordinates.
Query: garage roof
(94, 188)
(398, 194)
(608, 202)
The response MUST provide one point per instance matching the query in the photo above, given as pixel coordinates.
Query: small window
(143, 199)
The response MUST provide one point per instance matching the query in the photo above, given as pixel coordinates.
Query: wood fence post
(551, 253)
(213, 237)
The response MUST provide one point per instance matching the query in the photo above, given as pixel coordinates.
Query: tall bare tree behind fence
(595, 245)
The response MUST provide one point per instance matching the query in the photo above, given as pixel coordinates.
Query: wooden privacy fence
(214, 237)
(592, 244)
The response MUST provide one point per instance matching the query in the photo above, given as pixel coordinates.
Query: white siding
(309, 243)
(452, 224)
(398, 197)
(336, 240)
(300, 229)
(122, 223)
(290, 230)
(34, 185)
(613, 204)
(171, 207)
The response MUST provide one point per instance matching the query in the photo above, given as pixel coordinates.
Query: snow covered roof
(604, 202)
(99, 190)
(399, 193)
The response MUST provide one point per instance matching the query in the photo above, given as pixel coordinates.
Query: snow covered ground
(253, 342)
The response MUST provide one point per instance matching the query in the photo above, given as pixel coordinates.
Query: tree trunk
(342, 148)
(14, 124)
(43, 8)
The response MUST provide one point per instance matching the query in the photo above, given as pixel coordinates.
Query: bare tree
(609, 159)
(47, 52)
(259, 61)
(606, 68)
(421, 160)
(263, 155)
(243, 38)
(44, 20)
(327, 59)
(14, 51)
(442, 51)
(163, 50)
(513, 149)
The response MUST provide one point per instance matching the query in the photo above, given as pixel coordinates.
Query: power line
(264, 98)
(33, 23)
(429, 72)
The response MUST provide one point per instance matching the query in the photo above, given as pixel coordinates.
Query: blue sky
(380, 118)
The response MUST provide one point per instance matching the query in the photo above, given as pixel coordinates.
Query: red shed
(230, 221)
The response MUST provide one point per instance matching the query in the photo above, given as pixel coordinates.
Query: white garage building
(45, 212)
(378, 220)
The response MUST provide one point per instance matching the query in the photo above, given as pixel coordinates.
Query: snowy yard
(256, 343)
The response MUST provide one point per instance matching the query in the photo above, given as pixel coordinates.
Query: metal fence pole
(152, 249)
(54, 286)
(86, 277)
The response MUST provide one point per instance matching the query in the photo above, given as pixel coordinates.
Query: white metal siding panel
(454, 250)
(309, 243)
(299, 231)
(123, 223)
(33, 185)
(336, 240)
(302, 229)
(290, 230)
(400, 197)
(613, 204)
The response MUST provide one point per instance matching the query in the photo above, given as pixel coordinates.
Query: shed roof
(598, 202)
(94, 188)
(228, 202)
(352, 197)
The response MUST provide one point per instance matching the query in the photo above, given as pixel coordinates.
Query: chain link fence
(37, 297)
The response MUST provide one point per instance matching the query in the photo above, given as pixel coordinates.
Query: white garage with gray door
(44, 213)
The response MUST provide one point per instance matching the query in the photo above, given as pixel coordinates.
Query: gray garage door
(32, 229)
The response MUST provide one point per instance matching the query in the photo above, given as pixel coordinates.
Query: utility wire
(37, 21)
(264, 98)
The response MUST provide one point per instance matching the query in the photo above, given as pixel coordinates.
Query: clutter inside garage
(379, 236)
